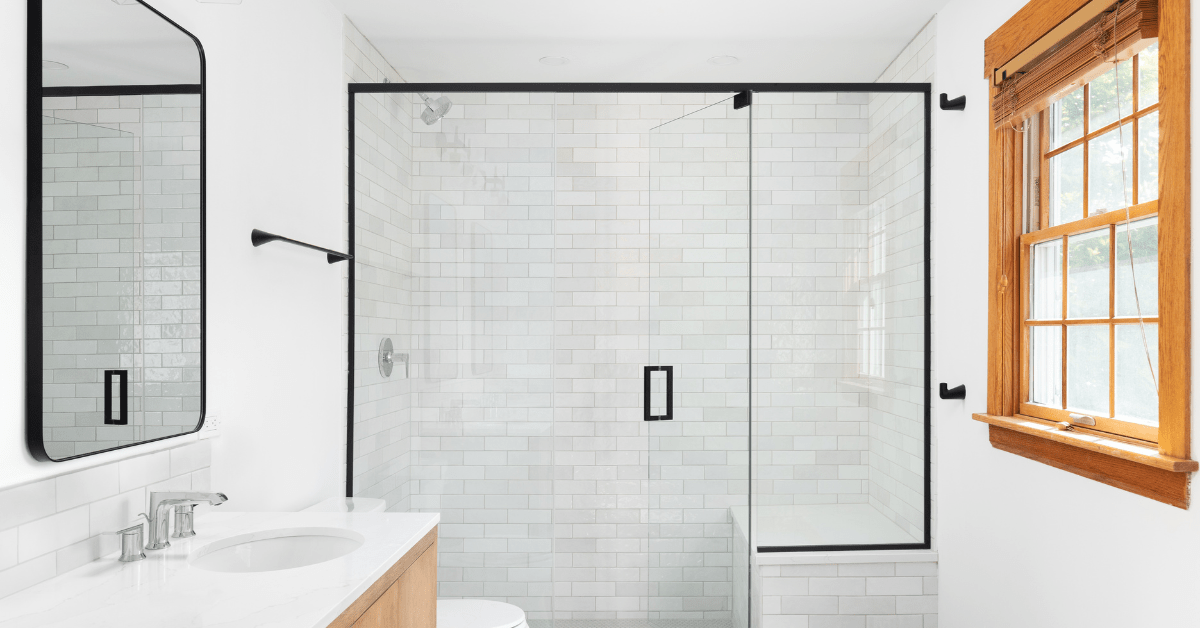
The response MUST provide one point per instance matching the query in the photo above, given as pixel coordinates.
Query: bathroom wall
(893, 268)
(1022, 543)
(52, 526)
(383, 284)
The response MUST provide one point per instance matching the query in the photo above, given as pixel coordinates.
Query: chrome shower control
(388, 359)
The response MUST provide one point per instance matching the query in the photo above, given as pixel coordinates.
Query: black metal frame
(353, 89)
(34, 92)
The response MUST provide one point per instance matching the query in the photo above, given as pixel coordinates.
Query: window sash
(1109, 423)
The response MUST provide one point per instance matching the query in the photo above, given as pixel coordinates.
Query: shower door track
(925, 89)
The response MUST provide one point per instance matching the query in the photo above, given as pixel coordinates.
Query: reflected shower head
(434, 109)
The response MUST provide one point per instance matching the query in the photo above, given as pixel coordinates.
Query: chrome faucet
(162, 503)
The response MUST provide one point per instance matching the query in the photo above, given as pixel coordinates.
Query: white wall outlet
(211, 427)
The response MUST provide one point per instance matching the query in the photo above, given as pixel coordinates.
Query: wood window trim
(1160, 472)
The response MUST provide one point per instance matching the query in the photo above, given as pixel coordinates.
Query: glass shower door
(696, 380)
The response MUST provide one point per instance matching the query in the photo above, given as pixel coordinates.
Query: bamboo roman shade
(1079, 57)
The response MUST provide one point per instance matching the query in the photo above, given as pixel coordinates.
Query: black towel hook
(958, 392)
(953, 104)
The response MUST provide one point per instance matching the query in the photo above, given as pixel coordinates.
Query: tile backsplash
(52, 526)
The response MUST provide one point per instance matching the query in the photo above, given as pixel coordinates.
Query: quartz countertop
(165, 590)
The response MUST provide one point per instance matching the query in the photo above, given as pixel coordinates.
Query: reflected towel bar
(259, 238)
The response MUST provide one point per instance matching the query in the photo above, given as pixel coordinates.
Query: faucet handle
(184, 518)
(131, 542)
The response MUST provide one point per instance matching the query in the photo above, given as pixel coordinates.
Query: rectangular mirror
(115, 261)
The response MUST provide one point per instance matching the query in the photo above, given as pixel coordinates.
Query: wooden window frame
(1130, 461)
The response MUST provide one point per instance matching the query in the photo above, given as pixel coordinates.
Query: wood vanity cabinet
(405, 597)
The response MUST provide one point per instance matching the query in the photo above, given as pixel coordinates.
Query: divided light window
(1089, 331)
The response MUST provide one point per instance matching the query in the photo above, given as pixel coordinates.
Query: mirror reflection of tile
(121, 287)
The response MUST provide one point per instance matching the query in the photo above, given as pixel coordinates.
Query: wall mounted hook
(958, 392)
(953, 104)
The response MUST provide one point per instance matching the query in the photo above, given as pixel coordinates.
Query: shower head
(434, 109)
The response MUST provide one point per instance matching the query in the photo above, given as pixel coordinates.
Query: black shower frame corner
(353, 89)
(34, 92)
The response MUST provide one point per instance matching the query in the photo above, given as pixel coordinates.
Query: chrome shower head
(434, 109)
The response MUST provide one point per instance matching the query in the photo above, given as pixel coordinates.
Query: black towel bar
(259, 238)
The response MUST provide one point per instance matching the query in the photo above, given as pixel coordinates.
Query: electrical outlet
(211, 427)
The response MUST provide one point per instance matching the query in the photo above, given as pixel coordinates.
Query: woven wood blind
(1078, 58)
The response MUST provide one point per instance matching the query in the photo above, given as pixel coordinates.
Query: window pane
(1066, 119)
(1136, 397)
(1102, 100)
(1066, 186)
(1045, 270)
(1148, 158)
(1045, 366)
(1108, 182)
(1142, 237)
(1148, 76)
(1087, 368)
(1087, 275)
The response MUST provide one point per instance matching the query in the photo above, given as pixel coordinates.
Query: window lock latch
(1076, 419)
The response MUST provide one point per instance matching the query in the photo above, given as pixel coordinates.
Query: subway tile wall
(902, 594)
(52, 526)
(482, 345)
(121, 226)
(810, 386)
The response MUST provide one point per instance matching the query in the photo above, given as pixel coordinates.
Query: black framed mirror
(115, 263)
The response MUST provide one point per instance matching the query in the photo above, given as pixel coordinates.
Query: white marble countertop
(164, 590)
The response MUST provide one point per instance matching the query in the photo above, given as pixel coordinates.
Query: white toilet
(450, 613)
(479, 614)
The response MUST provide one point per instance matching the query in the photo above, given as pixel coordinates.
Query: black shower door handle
(670, 389)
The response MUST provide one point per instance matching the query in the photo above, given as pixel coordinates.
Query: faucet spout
(162, 502)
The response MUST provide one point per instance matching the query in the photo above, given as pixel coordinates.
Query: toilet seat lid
(477, 614)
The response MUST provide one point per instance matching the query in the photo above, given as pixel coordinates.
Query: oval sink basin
(273, 550)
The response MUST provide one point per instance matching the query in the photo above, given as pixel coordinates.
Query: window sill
(1134, 468)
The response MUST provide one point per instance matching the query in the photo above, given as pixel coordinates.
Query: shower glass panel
(838, 321)
(453, 263)
(640, 338)
(698, 450)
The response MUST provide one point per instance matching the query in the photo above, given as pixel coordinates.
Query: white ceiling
(105, 43)
(640, 40)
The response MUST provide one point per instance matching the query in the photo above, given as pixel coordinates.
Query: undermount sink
(273, 550)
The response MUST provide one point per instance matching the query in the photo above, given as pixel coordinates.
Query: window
(1090, 325)
(1088, 369)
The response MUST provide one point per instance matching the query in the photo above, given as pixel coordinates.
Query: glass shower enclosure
(642, 335)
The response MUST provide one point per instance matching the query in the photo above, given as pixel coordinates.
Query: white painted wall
(1022, 543)
(276, 159)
